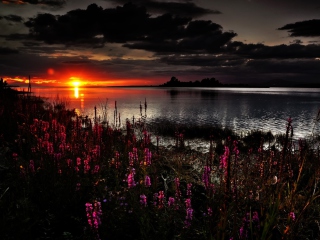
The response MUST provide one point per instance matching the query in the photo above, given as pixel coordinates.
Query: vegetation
(66, 177)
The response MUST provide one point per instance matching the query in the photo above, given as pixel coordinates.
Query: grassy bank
(66, 177)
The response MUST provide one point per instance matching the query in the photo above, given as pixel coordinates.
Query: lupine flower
(15, 156)
(224, 160)
(292, 216)
(96, 168)
(188, 203)
(147, 181)
(143, 200)
(69, 162)
(117, 156)
(89, 211)
(98, 213)
(189, 185)
(161, 199)
(86, 166)
(210, 211)
(94, 214)
(171, 201)
(31, 166)
(131, 159)
(78, 161)
(155, 199)
(147, 157)
(189, 215)
(178, 192)
(131, 182)
(255, 219)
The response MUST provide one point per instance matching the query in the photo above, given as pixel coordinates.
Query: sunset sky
(146, 42)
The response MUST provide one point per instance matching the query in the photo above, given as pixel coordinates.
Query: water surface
(241, 109)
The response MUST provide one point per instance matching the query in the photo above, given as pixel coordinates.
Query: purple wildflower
(292, 216)
(188, 203)
(147, 181)
(147, 157)
(143, 200)
(131, 182)
(189, 185)
(155, 198)
(189, 215)
(178, 192)
(210, 211)
(31, 166)
(161, 199)
(171, 201)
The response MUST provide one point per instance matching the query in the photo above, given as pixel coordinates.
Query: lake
(241, 109)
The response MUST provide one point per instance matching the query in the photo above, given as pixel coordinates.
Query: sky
(146, 42)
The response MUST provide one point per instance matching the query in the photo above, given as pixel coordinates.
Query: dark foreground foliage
(65, 177)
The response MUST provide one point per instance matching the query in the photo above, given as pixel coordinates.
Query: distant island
(206, 82)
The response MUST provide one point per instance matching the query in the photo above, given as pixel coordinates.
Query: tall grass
(67, 177)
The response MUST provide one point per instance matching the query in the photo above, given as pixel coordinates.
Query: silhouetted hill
(206, 82)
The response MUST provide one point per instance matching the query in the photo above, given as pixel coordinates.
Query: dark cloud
(51, 3)
(238, 53)
(207, 43)
(6, 51)
(182, 8)
(309, 28)
(203, 60)
(260, 51)
(131, 25)
(31, 44)
(16, 37)
(285, 66)
(77, 62)
(13, 18)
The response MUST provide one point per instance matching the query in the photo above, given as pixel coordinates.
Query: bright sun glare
(76, 84)
(74, 81)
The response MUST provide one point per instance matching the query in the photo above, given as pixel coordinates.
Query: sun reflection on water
(76, 92)
(78, 95)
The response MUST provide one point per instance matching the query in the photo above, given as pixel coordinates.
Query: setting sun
(75, 81)
(76, 84)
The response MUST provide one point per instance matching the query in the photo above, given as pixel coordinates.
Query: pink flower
(188, 203)
(189, 185)
(292, 216)
(171, 201)
(147, 157)
(189, 215)
(131, 182)
(178, 192)
(161, 199)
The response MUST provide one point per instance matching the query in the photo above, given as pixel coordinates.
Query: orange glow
(16, 2)
(50, 71)
(79, 79)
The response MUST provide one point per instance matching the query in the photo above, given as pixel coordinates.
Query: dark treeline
(206, 82)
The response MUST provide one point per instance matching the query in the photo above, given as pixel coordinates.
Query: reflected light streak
(76, 92)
